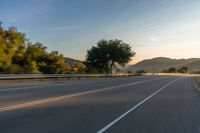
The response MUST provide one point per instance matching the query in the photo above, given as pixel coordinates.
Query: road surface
(144, 104)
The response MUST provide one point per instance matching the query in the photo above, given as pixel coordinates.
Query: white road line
(30, 87)
(54, 99)
(48, 85)
(135, 107)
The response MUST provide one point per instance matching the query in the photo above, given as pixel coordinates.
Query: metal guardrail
(46, 76)
(172, 74)
(69, 76)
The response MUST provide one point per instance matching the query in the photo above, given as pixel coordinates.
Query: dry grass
(197, 83)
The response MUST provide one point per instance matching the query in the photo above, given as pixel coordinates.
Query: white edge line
(48, 85)
(31, 87)
(136, 106)
(47, 100)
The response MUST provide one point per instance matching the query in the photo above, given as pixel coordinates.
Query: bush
(14, 69)
(183, 70)
(172, 70)
(140, 72)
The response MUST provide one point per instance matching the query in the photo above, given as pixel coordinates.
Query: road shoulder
(196, 83)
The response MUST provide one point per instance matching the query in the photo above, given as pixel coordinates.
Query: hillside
(161, 63)
(71, 62)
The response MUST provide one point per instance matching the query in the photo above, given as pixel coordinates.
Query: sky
(154, 28)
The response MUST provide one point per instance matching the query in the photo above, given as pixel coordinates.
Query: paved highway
(153, 104)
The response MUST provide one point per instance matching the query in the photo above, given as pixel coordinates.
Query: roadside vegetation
(19, 55)
(195, 72)
(196, 81)
(107, 56)
(176, 70)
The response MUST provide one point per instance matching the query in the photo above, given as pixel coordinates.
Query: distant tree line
(19, 55)
(195, 72)
(176, 70)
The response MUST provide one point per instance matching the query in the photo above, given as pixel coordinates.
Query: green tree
(39, 60)
(12, 43)
(17, 55)
(53, 63)
(78, 68)
(183, 69)
(140, 72)
(14, 69)
(34, 55)
(107, 55)
(172, 70)
(2, 48)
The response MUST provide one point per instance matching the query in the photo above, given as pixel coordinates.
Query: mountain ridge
(71, 61)
(159, 64)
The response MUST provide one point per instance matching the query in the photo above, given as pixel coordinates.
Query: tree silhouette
(107, 55)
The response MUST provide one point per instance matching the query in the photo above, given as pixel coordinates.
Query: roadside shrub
(14, 69)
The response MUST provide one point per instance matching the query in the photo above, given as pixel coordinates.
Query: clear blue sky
(154, 28)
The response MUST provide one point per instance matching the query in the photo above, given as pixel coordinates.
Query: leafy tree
(171, 70)
(183, 69)
(2, 48)
(78, 68)
(140, 72)
(12, 43)
(34, 55)
(107, 55)
(39, 60)
(53, 63)
(14, 69)
(17, 55)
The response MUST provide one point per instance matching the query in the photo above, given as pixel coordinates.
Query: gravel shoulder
(196, 82)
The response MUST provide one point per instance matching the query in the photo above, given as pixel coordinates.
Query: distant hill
(71, 62)
(161, 63)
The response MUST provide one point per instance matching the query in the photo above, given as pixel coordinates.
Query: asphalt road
(145, 104)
